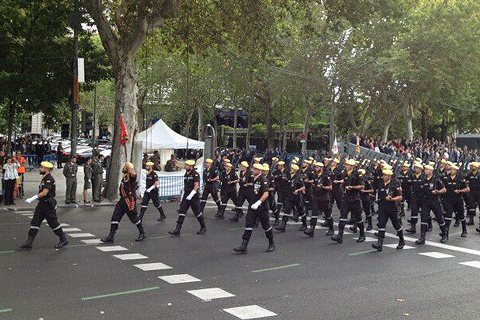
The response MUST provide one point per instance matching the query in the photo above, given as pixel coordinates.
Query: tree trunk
(235, 123)
(444, 128)
(200, 121)
(306, 124)
(11, 117)
(186, 127)
(408, 123)
(332, 124)
(424, 128)
(266, 100)
(126, 91)
(249, 125)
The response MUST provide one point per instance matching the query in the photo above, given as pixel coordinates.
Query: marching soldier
(308, 176)
(70, 173)
(453, 201)
(280, 178)
(271, 186)
(293, 198)
(389, 196)
(245, 190)
(151, 192)
(97, 178)
(228, 189)
(473, 181)
(416, 182)
(432, 189)
(87, 179)
(404, 177)
(365, 197)
(190, 199)
(45, 209)
(257, 209)
(126, 205)
(352, 203)
(210, 177)
(337, 175)
(322, 186)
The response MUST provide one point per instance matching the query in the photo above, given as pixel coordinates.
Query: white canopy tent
(163, 139)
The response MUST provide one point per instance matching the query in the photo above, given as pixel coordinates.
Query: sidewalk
(32, 181)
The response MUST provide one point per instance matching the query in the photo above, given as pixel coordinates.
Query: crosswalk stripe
(179, 278)
(112, 248)
(152, 266)
(436, 255)
(250, 312)
(130, 256)
(210, 294)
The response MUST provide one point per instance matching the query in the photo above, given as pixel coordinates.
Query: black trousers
(383, 216)
(291, 202)
(429, 205)
(355, 208)
(241, 198)
(45, 210)
(209, 189)
(9, 189)
(147, 196)
(454, 203)
(308, 200)
(416, 204)
(321, 206)
(366, 205)
(121, 208)
(194, 204)
(337, 196)
(473, 202)
(228, 194)
(260, 214)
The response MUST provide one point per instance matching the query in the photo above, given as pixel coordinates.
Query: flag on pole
(123, 132)
(335, 146)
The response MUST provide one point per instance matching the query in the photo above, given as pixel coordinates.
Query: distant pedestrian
(70, 173)
(87, 179)
(10, 176)
(60, 152)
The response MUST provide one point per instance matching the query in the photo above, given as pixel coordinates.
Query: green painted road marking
(361, 252)
(120, 293)
(277, 268)
(2, 252)
(5, 310)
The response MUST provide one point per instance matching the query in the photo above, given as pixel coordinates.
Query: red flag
(123, 132)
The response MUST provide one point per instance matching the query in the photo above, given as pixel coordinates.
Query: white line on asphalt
(179, 278)
(210, 294)
(368, 239)
(64, 225)
(112, 248)
(153, 266)
(92, 241)
(71, 230)
(130, 256)
(436, 255)
(81, 235)
(394, 246)
(474, 264)
(250, 312)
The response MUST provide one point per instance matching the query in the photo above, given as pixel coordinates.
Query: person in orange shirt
(21, 171)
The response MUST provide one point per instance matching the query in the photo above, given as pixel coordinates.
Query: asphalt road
(303, 278)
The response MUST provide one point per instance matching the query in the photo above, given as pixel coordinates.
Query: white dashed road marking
(153, 266)
(130, 256)
(250, 312)
(92, 241)
(81, 235)
(394, 246)
(436, 255)
(474, 264)
(112, 248)
(71, 230)
(179, 278)
(210, 294)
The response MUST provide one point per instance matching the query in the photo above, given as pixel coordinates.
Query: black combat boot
(401, 240)
(369, 224)
(444, 234)
(63, 240)
(141, 233)
(111, 236)
(412, 229)
(220, 213)
(470, 222)
(282, 227)
(464, 229)
(162, 214)
(304, 224)
(271, 245)
(176, 231)
(430, 225)
(142, 213)
(422, 238)
(27, 244)
(243, 248)
(237, 215)
(330, 227)
(378, 245)
(457, 222)
(203, 228)
(353, 228)
(338, 237)
(310, 231)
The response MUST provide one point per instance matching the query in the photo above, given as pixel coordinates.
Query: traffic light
(87, 122)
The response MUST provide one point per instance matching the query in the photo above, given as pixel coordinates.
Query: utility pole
(74, 101)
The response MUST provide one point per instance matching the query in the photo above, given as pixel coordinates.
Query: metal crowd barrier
(49, 157)
(170, 187)
(31, 161)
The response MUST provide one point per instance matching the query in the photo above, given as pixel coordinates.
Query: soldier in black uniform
(453, 201)
(151, 192)
(321, 203)
(308, 176)
(228, 189)
(45, 209)
(210, 177)
(337, 191)
(271, 186)
(126, 205)
(365, 197)
(257, 209)
(404, 177)
(416, 183)
(280, 178)
(432, 189)
(190, 199)
(473, 180)
(293, 197)
(353, 183)
(245, 190)
(389, 196)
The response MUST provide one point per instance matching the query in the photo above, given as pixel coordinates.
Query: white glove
(256, 205)
(190, 196)
(151, 188)
(30, 200)
(89, 180)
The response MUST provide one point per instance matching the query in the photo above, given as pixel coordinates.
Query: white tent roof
(160, 136)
